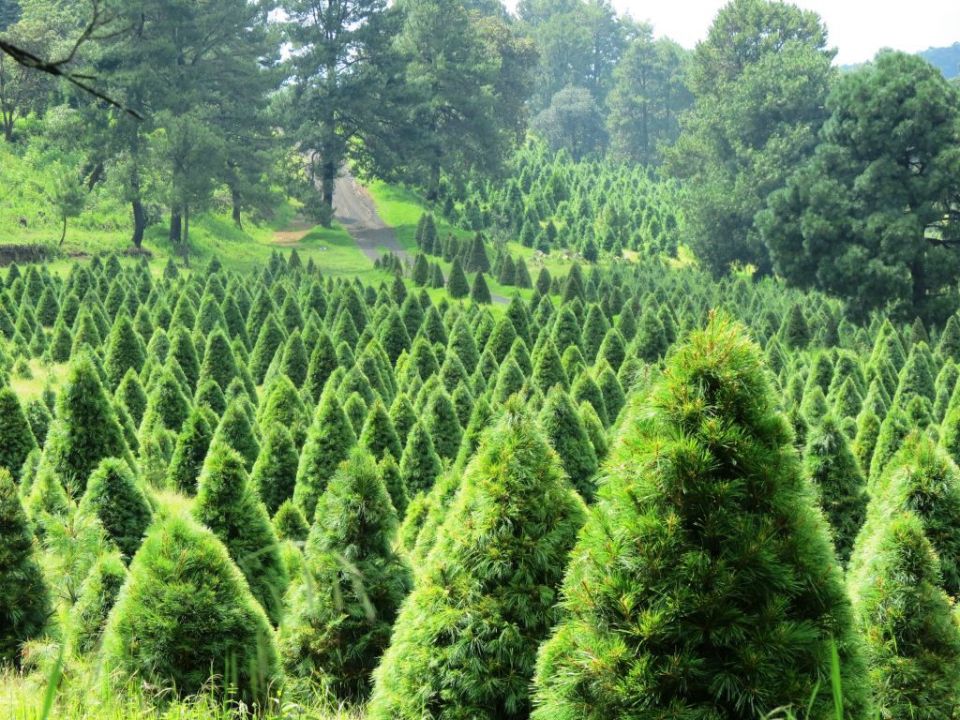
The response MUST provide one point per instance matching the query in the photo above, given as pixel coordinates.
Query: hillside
(947, 59)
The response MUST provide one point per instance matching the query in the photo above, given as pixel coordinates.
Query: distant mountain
(945, 58)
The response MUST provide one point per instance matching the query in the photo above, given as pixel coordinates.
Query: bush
(98, 593)
(705, 565)
(186, 615)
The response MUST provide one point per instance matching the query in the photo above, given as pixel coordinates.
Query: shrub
(290, 523)
(566, 433)
(190, 451)
(274, 474)
(17, 436)
(98, 593)
(419, 464)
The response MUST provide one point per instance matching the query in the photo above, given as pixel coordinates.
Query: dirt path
(354, 209)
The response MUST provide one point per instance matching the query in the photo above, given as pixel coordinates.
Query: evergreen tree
(98, 593)
(911, 635)
(289, 522)
(323, 361)
(190, 451)
(795, 333)
(328, 443)
(479, 292)
(184, 614)
(295, 361)
(18, 440)
(650, 342)
(442, 423)
(341, 611)
(378, 434)
(228, 505)
(274, 474)
(457, 285)
(236, 430)
(830, 464)
(269, 339)
(419, 464)
(514, 505)
(566, 433)
(85, 430)
(116, 499)
(132, 396)
(705, 523)
(124, 351)
(24, 599)
(476, 257)
(548, 368)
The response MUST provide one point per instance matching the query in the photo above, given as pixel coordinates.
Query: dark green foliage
(329, 440)
(16, 435)
(190, 451)
(85, 430)
(24, 599)
(650, 343)
(465, 641)
(393, 481)
(269, 339)
(228, 505)
(476, 256)
(282, 405)
(274, 474)
(613, 395)
(98, 593)
(565, 431)
(219, 363)
(114, 496)
(394, 336)
(830, 464)
(341, 611)
(419, 463)
(39, 417)
(185, 614)
(457, 285)
(323, 361)
(548, 368)
(912, 640)
(295, 361)
(703, 521)
(133, 397)
(289, 522)
(167, 406)
(795, 333)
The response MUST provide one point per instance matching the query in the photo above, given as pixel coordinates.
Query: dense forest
(432, 360)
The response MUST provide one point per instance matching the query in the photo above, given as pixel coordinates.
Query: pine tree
(479, 292)
(219, 363)
(341, 611)
(457, 285)
(476, 257)
(566, 433)
(186, 614)
(911, 635)
(378, 434)
(190, 450)
(420, 274)
(329, 440)
(17, 436)
(124, 351)
(269, 339)
(85, 430)
(274, 474)
(394, 336)
(548, 368)
(830, 464)
(24, 599)
(465, 641)
(613, 396)
(705, 564)
(116, 499)
(795, 333)
(289, 523)
(295, 361)
(419, 464)
(442, 423)
(236, 430)
(323, 361)
(650, 343)
(98, 593)
(228, 505)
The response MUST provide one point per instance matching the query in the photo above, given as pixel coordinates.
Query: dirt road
(354, 209)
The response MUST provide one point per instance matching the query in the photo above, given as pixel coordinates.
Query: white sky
(858, 28)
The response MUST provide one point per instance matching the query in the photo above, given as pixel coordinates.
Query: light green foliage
(115, 497)
(98, 593)
(328, 442)
(18, 440)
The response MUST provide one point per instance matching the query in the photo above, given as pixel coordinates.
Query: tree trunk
(236, 203)
(139, 222)
(63, 234)
(919, 275)
(185, 249)
(176, 227)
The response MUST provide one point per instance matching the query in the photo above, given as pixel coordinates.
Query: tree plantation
(449, 360)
